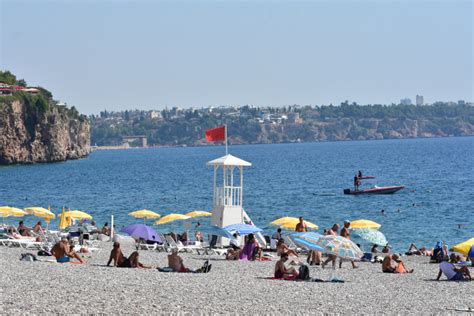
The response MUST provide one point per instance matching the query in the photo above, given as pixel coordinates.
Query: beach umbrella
(308, 235)
(141, 231)
(63, 220)
(340, 246)
(216, 231)
(198, 214)
(144, 214)
(242, 229)
(371, 235)
(470, 254)
(7, 211)
(170, 218)
(291, 222)
(364, 223)
(464, 246)
(76, 214)
(41, 212)
(307, 244)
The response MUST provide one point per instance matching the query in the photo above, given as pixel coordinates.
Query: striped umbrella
(371, 235)
(340, 246)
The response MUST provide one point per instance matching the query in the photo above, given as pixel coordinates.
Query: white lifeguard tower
(228, 193)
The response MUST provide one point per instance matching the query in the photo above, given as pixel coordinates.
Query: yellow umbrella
(144, 214)
(364, 223)
(291, 222)
(6, 211)
(76, 214)
(464, 247)
(40, 212)
(198, 214)
(171, 217)
(63, 220)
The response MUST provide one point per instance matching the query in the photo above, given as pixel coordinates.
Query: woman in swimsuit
(132, 262)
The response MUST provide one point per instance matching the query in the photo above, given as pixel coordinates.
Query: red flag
(215, 134)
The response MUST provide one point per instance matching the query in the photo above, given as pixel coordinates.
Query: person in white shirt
(453, 273)
(275, 238)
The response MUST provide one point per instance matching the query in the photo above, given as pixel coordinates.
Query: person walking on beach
(345, 234)
(301, 226)
(332, 232)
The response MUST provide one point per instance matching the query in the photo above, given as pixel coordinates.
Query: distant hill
(35, 128)
(249, 125)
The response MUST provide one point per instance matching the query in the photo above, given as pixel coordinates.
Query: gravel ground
(231, 287)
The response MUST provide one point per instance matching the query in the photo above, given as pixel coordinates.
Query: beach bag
(44, 253)
(303, 272)
(29, 257)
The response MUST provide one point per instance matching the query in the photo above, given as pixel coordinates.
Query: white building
(419, 100)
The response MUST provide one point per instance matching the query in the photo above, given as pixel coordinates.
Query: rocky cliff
(29, 134)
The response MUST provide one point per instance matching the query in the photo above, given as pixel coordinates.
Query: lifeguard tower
(228, 193)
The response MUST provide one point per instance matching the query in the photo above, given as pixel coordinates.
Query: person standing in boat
(356, 183)
(360, 174)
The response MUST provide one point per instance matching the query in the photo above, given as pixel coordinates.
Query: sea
(304, 179)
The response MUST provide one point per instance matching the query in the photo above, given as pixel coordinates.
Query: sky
(119, 55)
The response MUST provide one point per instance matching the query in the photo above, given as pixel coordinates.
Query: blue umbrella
(309, 235)
(470, 254)
(243, 229)
(216, 231)
(141, 231)
(307, 244)
(371, 235)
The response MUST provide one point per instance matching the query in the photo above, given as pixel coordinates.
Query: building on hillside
(461, 102)
(294, 118)
(406, 101)
(419, 100)
(135, 139)
(155, 114)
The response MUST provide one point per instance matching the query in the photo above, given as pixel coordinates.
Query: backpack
(303, 272)
(28, 257)
(438, 255)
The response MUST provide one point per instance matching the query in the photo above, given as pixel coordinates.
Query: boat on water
(375, 190)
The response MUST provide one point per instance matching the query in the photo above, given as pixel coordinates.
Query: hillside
(35, 128)
(248, 125)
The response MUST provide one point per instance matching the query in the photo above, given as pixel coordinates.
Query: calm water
(285, 179)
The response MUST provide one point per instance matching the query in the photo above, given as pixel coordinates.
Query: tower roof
(229, 160)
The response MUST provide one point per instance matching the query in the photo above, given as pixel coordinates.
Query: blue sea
(304, 179)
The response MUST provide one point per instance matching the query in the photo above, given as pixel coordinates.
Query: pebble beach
(231, 287)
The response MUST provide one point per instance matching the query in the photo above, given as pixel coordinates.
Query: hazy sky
(146, 54)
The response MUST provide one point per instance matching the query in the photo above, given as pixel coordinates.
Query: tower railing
(228, 196)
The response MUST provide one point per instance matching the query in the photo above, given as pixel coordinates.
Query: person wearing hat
(345, 234)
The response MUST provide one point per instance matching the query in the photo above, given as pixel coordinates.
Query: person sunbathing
(38, 228)
(63, 252)
(23, 230)
(175, 262)
(282, 272)
(116, 255)
(283, 248)
(452, 273)
(393, 264)
(454, 258)
(132, 262)
(423, 251)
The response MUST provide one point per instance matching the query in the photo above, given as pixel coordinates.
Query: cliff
(30, 133)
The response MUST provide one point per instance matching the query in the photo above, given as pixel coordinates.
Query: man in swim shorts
(63, 253)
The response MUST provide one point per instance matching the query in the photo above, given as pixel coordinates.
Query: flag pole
(225, 126)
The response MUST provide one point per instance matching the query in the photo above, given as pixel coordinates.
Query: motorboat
(375, 190)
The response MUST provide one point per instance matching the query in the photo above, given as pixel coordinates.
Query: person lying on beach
(63, 252)
(251, 250)
(423, 251)
(132, 262)
(454, 258)
(175, 262)
(283, 248)
(453, 273)
(282, 272)
(116, 255)
(393, 264)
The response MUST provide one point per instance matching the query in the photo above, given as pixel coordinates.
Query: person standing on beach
(331, 232)
(301, 226)
(345, 234)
